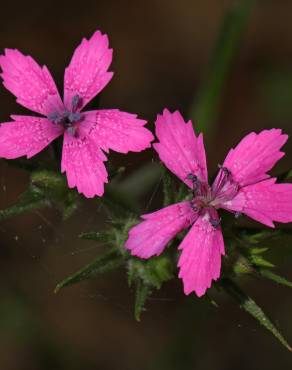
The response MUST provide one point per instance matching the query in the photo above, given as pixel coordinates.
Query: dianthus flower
(86, 134)
(242, 185)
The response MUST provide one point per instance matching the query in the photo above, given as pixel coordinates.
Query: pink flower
(241, 186)
(86, 134)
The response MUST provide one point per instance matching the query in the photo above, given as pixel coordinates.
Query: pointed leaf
(268, 274)
(250, 306)
(29, 200)
(148, 275)
(211, 300)
(260, 261)
(142, 293)
(258, 250)
(258, 237)
(102, 237)
(106, 262)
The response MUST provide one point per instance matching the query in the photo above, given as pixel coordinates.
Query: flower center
(224, 187)
(206, 198)
(68, 118)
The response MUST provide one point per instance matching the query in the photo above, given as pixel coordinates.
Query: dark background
(161, 49)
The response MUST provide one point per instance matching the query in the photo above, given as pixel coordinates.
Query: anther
(74, 117)
(54, 117)
(192, 177)
(195, 182)
(226, 171)
(76, 102)
(215, 222)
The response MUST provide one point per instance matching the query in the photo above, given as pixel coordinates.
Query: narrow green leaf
(29, 200)
(142, 293)
(21, 208)
(211, 300)
(101, 237)
(268, 274)
(258, 250)
(114, 236)
(205, 110)
(106, 262)
(268, 237)
(147, 275)
(250, 306)
(260, 261)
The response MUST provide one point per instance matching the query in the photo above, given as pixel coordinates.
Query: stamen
(76, 102)
(74, 117)
(225, 176)
(54, 117)
(226, 171)
(191, 177)
(224, 188)
(65, 118)
(195, 182)
(194, 179)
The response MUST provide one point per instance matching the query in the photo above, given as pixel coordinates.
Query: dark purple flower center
(206, 198)
(68, 118)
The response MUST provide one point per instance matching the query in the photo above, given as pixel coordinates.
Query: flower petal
(87, 73)
(26, 136)
(179, 149)
(33, 85)
(116, 130)
(83, 163)
(200, 260)
(255, 155)
(265, 202)
(151, 236)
